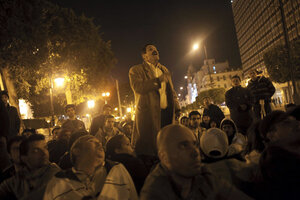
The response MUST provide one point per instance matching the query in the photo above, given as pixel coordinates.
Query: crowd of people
(254, 154)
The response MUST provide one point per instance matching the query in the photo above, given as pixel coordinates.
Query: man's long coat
(148, 112)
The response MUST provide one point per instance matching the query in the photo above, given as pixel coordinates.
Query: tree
(216, 94)
(276, 61)
(40, 41)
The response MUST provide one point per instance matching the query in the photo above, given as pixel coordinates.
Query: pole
(208, 69)
(52, 123)
(119, 99)
(287, 44)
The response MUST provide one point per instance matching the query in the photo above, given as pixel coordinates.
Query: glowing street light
(91, 104)
(179, 95)
(195, 46)
(59, 82)
(107, 94)
(181, 88)
(116, 109)
(128, 109)
(185, 77)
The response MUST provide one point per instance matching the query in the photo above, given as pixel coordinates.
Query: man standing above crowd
(213, 111)
(180, 174)
(73, 124)
(14, 118)
(98, 122)
(262, 90)
(238, 100)
(156, 100)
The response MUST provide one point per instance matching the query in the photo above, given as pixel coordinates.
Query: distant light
(185, 77)
(59, 82)
(116, 109)
(195, 47)
(107, 94)
(87, 115)
(103, 94)
(181, 88)
(179, 95)
(91, 104)
(128, 109)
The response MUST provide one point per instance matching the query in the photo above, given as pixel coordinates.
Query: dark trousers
(257, 109)
(165, 117)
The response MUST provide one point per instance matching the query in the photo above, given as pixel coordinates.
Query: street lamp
(105, 95)
(181, 88)
(128, 110)
(91, 104)
(196, 47)
(59, 82)
(185, 77)
(179, 95)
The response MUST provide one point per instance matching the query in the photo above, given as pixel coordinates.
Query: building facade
(260, 27)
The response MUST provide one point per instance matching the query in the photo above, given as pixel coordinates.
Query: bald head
(168, 133)
(178, 151)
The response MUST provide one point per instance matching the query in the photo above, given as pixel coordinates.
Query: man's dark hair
(144, 49)
(74, 136)
(194, 112)
(24, 146)
(113, 144)
(13, 140)
(69, 106)
(106, 106)
(236, 76)
(182, 118)
(4, 92)
(108, 117)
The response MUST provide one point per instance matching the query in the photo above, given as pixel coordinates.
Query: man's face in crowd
(185, 122)
(206, 119)
(181, 155)
(92, 154)
(235, 82)
(228, 129)
(125, 146)
(109, 123)
(213, 124)
(206, 101)
(151, 55)
(195, 121)
(70, 112)
(15, 152)
(107, 111)
(37, 156)
(252, 74)
(4, 99)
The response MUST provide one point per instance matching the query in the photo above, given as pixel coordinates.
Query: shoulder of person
(136, 67)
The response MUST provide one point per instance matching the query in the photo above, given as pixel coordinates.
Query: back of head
(113, 144)
(24, 146)
(13, 140)
(74, 136)
(214, 143)
(79, 145)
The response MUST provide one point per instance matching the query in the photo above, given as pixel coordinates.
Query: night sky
(173, 26)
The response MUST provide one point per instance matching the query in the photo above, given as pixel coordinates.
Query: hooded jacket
(238, 142)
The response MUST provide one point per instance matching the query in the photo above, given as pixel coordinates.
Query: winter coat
(28, 185)
(14, 121)
(97, 123)
(148, 112)
(234, 98)
(159, 186)
(215, 113)
(261, 88)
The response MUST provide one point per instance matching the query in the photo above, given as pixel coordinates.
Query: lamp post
(59, 81)
(195, 48)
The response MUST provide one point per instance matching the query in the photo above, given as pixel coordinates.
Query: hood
(214, 143)
(229, 121)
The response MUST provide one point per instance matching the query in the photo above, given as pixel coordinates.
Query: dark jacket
(215, 113)
(73, 125)
(14, 120)
(97, 122)
(234, 98)
(261, 88)
(135, 167)
(4, 119)
(159, 186)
